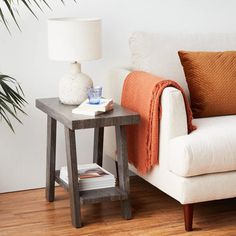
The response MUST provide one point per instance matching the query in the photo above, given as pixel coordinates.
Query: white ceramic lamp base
(74, 86)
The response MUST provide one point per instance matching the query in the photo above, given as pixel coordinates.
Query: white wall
(24, 56)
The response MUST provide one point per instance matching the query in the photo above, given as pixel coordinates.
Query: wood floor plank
(154, 213)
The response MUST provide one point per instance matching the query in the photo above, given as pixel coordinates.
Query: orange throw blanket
(142, 93)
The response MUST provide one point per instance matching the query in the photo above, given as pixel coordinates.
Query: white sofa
(195, 167)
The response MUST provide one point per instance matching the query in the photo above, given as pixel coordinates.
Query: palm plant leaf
(27, 3)
(11, 99)
(9, 7)
(4, 20)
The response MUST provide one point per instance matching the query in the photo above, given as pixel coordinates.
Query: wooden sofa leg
(188, 216)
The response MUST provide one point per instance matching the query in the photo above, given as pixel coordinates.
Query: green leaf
(11, 12)
(5, 117)
(28, 4)
(4, 20)
(47, 4)
(12, 99)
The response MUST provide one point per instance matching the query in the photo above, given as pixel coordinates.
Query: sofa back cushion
(211, 78)
(157, 53)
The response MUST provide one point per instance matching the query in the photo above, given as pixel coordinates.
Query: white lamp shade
(74, 39)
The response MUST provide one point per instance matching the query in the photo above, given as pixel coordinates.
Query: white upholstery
(192, 189)
(212, 144)
(174, 120)
(157, 53)
(209, 149)
(173, 126)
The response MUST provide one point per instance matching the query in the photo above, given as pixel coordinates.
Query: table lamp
(74, 40)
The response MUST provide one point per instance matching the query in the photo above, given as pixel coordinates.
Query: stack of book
(86, 108)
(91, 176)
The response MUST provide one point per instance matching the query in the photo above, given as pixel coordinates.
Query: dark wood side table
(119, 117)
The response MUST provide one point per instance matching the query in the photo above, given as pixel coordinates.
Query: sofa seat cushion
(209, 149)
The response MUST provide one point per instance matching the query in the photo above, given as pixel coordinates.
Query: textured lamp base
(73, 87)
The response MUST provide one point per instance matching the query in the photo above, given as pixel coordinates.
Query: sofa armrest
(173, 119)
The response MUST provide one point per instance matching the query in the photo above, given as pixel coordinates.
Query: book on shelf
(86, 108)
(90, 177)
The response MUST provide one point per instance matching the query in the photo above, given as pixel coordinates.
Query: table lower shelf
(97, 195)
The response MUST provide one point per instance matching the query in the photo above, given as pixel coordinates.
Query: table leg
(73, 177)
(51, 158)
(98, 145)
(122, 160)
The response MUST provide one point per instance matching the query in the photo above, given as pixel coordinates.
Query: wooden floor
(154, 213)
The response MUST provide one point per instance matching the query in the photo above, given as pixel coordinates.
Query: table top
(63, 113)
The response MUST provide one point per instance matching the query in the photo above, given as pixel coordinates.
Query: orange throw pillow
(211, 78)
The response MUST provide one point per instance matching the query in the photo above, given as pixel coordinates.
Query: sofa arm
(173, 119)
